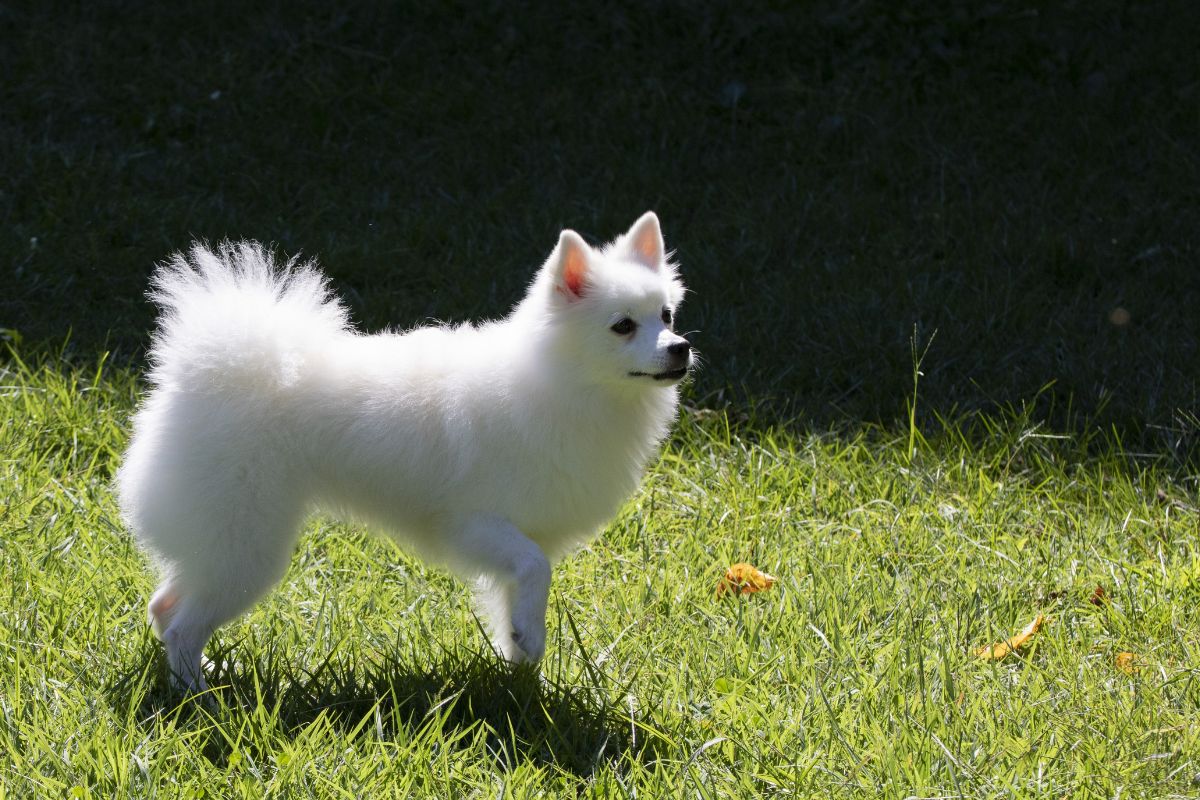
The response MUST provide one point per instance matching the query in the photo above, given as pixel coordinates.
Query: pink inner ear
(647, 247)
(574, 271)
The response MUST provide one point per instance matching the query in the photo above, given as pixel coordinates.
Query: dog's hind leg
(514, 581)
(184, 641)
(185, 638)
(184, 635)
(190, 606)
(162, 607)
(241, 562)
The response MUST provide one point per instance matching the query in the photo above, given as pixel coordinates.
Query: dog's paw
(529, 644)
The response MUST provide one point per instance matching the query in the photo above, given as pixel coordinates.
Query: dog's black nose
(680, 348)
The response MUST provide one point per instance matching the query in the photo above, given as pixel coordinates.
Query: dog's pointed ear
(644, 241)
(571, 264)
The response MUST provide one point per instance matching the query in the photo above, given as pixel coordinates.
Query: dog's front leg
(514, 578)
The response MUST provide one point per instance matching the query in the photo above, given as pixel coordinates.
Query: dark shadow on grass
(523, 715)
(1056, 428)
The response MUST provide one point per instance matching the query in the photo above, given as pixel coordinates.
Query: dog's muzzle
(680, 361)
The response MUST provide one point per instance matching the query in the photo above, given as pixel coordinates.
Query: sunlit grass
(839, 181)
(366, 674)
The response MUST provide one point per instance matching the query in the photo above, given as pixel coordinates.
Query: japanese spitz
(493, 449)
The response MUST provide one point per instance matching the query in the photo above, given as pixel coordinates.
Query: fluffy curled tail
(230, 316)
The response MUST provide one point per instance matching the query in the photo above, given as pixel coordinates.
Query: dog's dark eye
(623, 326)
(667, 317)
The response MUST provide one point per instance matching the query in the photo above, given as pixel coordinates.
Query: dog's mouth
(669, 375)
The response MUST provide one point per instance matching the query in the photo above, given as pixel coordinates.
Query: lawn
(856, 673)
(942, 261)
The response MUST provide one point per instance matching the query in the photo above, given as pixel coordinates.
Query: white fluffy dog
(493, 449)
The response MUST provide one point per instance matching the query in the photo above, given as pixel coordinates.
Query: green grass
(855, 675)
(908, 228)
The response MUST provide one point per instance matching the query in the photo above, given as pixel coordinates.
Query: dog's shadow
(522, 715)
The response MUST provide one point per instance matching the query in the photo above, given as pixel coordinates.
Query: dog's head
(612, 309)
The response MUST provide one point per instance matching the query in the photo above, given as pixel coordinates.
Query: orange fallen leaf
(1099, 597)
(1001, 649)
(744, 579)
(1128, 663)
